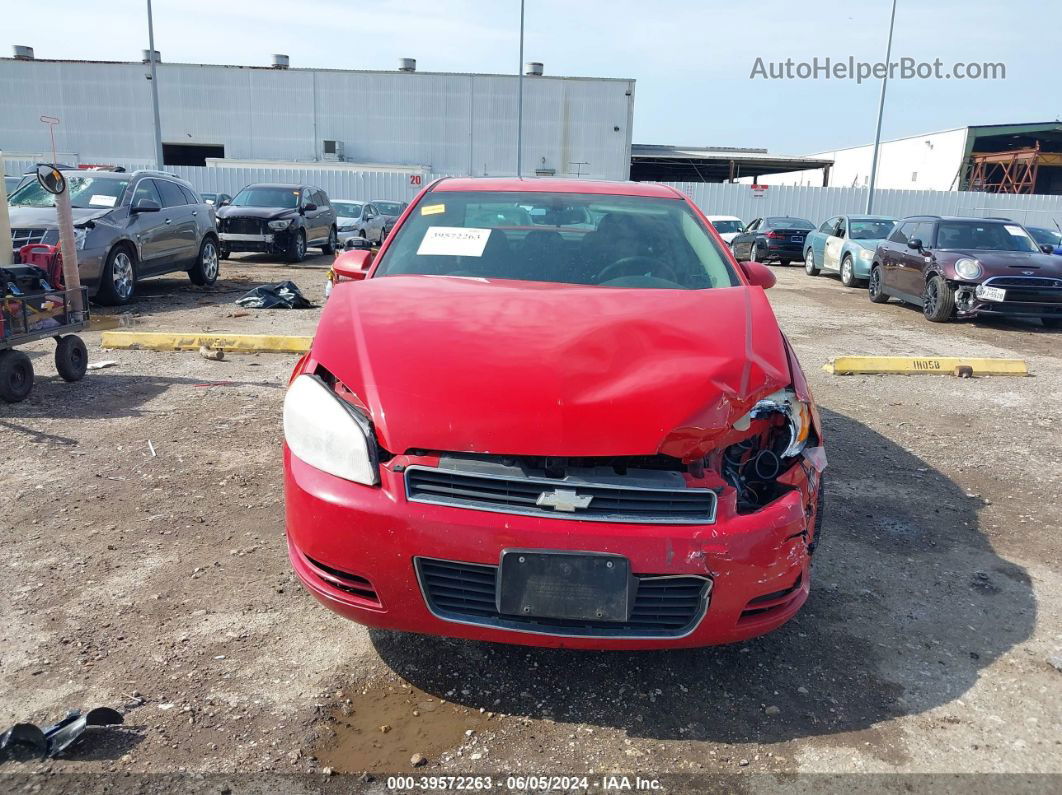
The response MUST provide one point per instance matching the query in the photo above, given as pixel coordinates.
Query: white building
(444, 123)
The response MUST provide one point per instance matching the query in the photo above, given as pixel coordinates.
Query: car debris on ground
(56, 738)
(282, 295)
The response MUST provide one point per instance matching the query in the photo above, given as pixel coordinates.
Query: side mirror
(915, 243)
(224, 202)
(1047, 248)
(309, 207)
(145, 206)
(759, 275)
(352, 264)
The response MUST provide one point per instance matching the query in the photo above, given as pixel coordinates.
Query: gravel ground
(159, 584)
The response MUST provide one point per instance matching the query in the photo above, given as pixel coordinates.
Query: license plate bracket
(564, 585)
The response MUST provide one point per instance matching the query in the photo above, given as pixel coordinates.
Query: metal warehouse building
(444, 123)
(992, 158)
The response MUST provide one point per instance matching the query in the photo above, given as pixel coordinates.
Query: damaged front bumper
(1032, 297)
(384, 560)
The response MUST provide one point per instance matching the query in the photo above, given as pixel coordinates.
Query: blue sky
(691, 59)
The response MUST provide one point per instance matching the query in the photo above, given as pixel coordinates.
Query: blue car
(845, 244)
(1046, 237)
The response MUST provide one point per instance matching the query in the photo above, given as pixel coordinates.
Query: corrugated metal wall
(817, 204)
(453, 123)
(338, 183)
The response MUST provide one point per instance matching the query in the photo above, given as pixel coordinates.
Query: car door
(747, 239)
(894, 256)
(912, 276)
(368, 221)
(831, 248)
(183, 235)
(816, 240)
(149, 230)
(328, 213)
(312, 218)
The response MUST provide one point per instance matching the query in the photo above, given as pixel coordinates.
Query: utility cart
(30, 310)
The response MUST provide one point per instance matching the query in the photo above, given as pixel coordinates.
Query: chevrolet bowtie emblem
(564, 500)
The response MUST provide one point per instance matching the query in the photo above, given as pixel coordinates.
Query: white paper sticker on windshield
(102, 200)
(455, 241)
(1017, 231)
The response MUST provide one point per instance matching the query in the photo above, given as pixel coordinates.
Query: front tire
(332, 246)
(16, 376)
(848, 277)
(71, 358)
(875, 287)
(810, 268)
(297, 247)
(206, 269)
(118, 280)
(752, 252)
(938, 302)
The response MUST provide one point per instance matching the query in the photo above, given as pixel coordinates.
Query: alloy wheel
(122, 275)
(210, 261)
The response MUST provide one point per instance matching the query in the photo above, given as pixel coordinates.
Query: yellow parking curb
(233, 343)
(923, 365)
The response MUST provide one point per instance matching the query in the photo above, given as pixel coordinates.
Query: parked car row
(950, 267)
(132, 225)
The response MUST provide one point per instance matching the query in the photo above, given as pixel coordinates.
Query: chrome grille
(636, 501)
(664, 605)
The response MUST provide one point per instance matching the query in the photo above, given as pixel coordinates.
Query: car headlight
(80, 236)
(796, 412)
(347, 228)
(968, 268)
(866, 255)
(328, 433)
(280, 225)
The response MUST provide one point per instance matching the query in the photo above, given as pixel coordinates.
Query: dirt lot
(159, 583)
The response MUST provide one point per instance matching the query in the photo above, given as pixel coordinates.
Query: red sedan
(554, 413)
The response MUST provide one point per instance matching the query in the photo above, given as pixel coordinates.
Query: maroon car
(967, 267)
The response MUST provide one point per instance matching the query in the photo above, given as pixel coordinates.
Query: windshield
(1046, 237)
(788, 223)
(871, 228)
(725, 227)
(390, 208)
(287, 198)
(348, 209)
(984, 237)
(85, 193)
(635, 242)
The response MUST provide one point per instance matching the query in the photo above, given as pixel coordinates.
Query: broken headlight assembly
(328, 433)
(779, 428)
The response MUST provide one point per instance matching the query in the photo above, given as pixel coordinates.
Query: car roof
(970, 218)
(555, 185)
(280, 185)
(871, 217)
(722, 218)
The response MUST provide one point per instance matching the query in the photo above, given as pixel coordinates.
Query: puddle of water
(417, 723)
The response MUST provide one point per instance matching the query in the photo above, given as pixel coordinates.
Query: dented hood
(522, 368)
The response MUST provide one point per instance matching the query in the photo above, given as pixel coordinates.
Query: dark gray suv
(128, 226)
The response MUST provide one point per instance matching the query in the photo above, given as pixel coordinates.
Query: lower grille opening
(353, 584)
(664, 605)
(762, 606)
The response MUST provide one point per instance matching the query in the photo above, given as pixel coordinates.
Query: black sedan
(774, 239)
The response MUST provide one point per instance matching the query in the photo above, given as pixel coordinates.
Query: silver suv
(128, 226)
